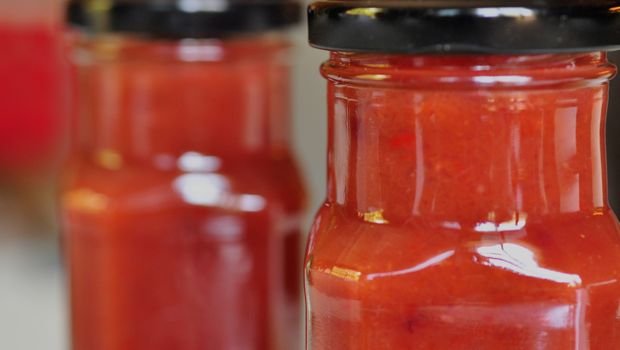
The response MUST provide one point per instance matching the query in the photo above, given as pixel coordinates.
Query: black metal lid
(465, 26)
(183, 18)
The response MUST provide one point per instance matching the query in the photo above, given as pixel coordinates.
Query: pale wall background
(310, 120)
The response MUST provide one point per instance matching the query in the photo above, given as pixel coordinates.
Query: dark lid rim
(497, 27)
(172, 21)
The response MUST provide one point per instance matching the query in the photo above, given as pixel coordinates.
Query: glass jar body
(466, 206)
(182, 209)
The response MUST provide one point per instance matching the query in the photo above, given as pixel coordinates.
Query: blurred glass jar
(33, 107)
(183, 208)
(33, 95)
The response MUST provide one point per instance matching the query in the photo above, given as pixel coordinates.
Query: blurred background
(33, 126)
(32, 299)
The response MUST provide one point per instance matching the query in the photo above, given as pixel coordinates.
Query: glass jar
(466, 204)
(33, 109)
(32, 69)
(183, 210)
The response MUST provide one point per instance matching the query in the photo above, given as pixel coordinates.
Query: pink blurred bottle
(33, 96)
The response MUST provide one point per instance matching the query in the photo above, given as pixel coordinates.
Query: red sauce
(182, 217)
(466, 206)
(32, 95)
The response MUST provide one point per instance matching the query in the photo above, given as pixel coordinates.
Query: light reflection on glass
(448, 12)
(214, 190)
(109, 159)
(86, 201)
(365, 11)
(374, 217)
(192, 50)
(428, 263)
(520, 260)
(517, 12)
(565, 154)
(346, 274)
(196, 162)
(341, 150)
(251, 202)
(378, 77)
(505, 79)
(203, 5)
(202, 189)
(517, 223)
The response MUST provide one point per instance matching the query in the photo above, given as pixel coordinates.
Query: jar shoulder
(255, 189)
(559, 253)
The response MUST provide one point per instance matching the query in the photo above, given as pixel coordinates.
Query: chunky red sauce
(466, 206)
(182, 217)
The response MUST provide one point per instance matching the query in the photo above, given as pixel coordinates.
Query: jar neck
(143, 101)
(485, 142)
